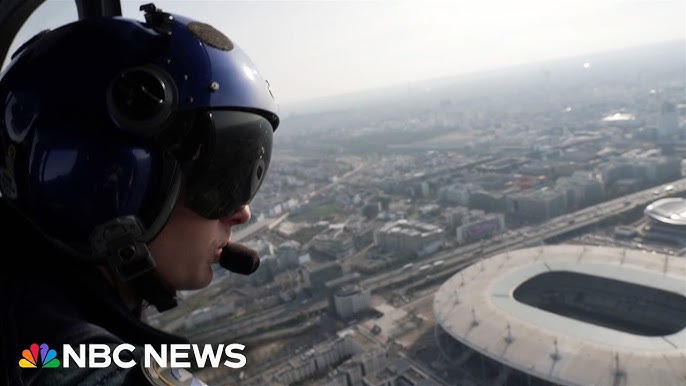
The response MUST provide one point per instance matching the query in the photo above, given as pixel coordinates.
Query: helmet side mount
(118, 241)
(141, 100)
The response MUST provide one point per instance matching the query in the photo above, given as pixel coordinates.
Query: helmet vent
(210, 35)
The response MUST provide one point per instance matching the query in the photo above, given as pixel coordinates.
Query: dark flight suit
(46, 300)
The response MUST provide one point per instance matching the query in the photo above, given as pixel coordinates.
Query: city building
(666, 222)
(287, 254)
(409, 236)
(622, 120)
(477, 228)
(488, 201)
(335, 242)
(315, 276)
(537, 205)
(350, 300)
(317, 360)
(457, 194)
(668, 121)
(648, 167)
(581, 189)
(399, 372)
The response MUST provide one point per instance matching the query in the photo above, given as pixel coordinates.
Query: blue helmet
(104, 121)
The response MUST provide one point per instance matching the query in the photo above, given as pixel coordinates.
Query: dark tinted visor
(232, 163)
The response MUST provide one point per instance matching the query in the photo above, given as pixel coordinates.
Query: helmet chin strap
(151, 288)
(119, 241)
(122, 242)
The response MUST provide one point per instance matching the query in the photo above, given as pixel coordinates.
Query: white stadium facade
(566, 315)
(666, 221)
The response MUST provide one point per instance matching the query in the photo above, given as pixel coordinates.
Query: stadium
(566, 315)
(666, 222)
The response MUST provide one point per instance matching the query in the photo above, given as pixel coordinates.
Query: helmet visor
(231, 163)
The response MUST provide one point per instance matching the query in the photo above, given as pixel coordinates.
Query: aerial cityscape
(516, 227)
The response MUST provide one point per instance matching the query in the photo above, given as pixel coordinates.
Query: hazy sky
(308, 49)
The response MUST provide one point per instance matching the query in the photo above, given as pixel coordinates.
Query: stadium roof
(668, 210)
(477, 307)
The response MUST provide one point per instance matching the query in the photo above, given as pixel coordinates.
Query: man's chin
(198, 282)
(204, 282)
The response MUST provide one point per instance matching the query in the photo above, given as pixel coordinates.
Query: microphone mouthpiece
(239, 259)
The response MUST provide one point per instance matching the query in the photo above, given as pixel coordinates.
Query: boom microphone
(239, 259)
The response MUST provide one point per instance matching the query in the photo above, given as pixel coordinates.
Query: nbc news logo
(102, 355)
(39, 356)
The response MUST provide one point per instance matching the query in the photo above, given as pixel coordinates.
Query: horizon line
(319, 99)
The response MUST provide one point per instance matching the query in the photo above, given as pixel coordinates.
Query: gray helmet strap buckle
(119, 243)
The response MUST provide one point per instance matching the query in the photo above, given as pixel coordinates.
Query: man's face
(189, 244)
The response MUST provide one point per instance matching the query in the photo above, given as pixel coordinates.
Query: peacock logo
(39, 356)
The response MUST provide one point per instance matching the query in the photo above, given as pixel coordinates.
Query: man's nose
(240, 216)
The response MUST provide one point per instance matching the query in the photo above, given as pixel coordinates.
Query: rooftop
(668, 210)
(477, 307)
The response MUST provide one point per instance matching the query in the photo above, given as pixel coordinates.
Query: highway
(446, 262)
(460, 257)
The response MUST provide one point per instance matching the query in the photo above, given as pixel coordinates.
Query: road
(443, 263)
(458, 258)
